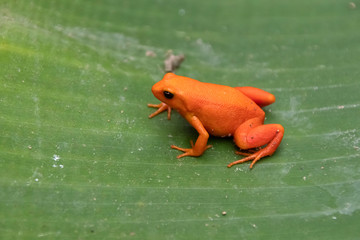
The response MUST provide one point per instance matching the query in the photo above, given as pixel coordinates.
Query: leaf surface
(79, 159)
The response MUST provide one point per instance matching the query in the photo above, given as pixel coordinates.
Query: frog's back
(220, 108)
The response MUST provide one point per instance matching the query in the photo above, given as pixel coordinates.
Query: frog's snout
(156, 90)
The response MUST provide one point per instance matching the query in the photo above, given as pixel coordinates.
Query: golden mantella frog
(220, 110)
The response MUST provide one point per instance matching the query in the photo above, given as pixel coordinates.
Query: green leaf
(79, 158)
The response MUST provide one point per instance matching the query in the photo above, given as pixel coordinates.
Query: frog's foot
(161, 108)
(257, 155)
(252, 135)
(251, 156)
(193, 152)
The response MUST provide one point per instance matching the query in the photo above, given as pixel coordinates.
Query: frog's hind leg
(253, 134)
(259, 96)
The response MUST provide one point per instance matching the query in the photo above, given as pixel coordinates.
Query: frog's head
(170, 90)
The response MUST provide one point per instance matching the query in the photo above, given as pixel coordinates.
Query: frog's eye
(168, 95)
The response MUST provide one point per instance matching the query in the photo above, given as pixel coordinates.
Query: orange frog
(220, 111)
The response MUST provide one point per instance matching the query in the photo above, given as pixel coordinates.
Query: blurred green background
(79, 159)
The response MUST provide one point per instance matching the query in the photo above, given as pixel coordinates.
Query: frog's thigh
(253, 133)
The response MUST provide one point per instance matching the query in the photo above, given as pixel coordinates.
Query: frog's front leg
(161, 108)
(200, 144)
(253, 134)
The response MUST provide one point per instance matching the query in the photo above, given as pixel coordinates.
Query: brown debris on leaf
(172, 62)
(150, 53)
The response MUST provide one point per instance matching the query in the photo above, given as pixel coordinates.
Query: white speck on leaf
(56, 158)
(182, 12)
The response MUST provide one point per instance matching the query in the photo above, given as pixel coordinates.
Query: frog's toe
(193, 152)
(254, 157)
(243, 153)
(184, 155)
(178, 148)
(187, 151)
(248, 152)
